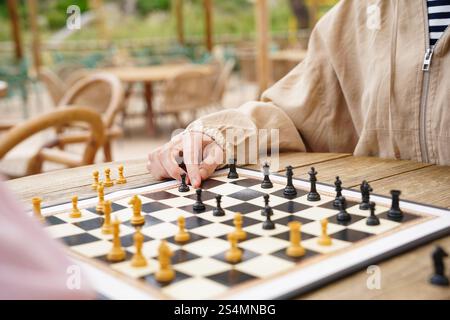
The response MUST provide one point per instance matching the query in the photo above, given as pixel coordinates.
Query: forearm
(253, 128)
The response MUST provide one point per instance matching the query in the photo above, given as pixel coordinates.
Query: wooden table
(3, 88)
(149, 75)
(403, 277)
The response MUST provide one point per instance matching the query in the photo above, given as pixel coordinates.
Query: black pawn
(183, 186)
(365, 195)
(218, 211)
(266, 208)
(180, 161)
(232, 174)
(268, 224)
(313, 195)
(372, 220)
(266, 183)
(338, 188)
(395, 213)
(198, 205)
(289, 190)
(343, 215)
(439, 278)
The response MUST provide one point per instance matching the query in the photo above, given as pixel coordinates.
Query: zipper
(427, 59)
(423, 103)
(426, 69)
(426, 66)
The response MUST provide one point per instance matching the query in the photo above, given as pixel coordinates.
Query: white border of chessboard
(298, 281)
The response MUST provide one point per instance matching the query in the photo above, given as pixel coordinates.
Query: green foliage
(3, 11)
(61, 5)
(229, 17)
(155, 18)
(232, 5)
(146, 6)
(55, 19)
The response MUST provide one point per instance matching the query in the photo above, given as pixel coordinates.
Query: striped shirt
(438, 18)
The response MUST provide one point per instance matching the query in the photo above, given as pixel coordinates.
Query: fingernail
(195, 182)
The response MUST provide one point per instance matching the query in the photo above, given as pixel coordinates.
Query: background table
(402, 277)
(149, 75)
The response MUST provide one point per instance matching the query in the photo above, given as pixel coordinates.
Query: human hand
(200, 154)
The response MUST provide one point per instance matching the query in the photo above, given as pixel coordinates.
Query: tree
(300, 10)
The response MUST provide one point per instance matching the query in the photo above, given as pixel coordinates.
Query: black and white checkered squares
(201, 268)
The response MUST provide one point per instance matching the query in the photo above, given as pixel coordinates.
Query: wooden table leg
(126, 98)
(148, 96)
(3, 89)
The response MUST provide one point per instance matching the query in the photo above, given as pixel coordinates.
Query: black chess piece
(289, 190)
(372, 220)
(198, 205)
(313, 195)
(180, 160)
(183, 187)
(232, 174)
(343, 215)
(395, 213)
(218, 211)
(439, 278)
(266, 183)
(338, 188)
(268, 224)
(266, 208)
(365, 195)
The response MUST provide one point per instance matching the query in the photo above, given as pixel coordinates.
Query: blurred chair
(102, 92)
(186, 91)
(75, 76)
(54, 84)
(246, 56)
(66, 69)
(47, 153)
(221, 83)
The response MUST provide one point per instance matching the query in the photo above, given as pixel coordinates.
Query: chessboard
(265, 271)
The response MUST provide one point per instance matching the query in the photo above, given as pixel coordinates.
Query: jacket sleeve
(301, 106)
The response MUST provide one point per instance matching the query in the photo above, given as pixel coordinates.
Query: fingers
(213, 156)
(170, 164)
(192, 154)
(201, 157)
(162, 163)
(206, 171)
(154, 165)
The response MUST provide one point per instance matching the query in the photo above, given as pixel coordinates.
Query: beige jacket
(360, 89)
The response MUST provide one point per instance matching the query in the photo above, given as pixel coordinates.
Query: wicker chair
(221, 83)
(75, 76)
(186, 91)
(46, 153)
(55, 86)
(102, 92)
(65, 70)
